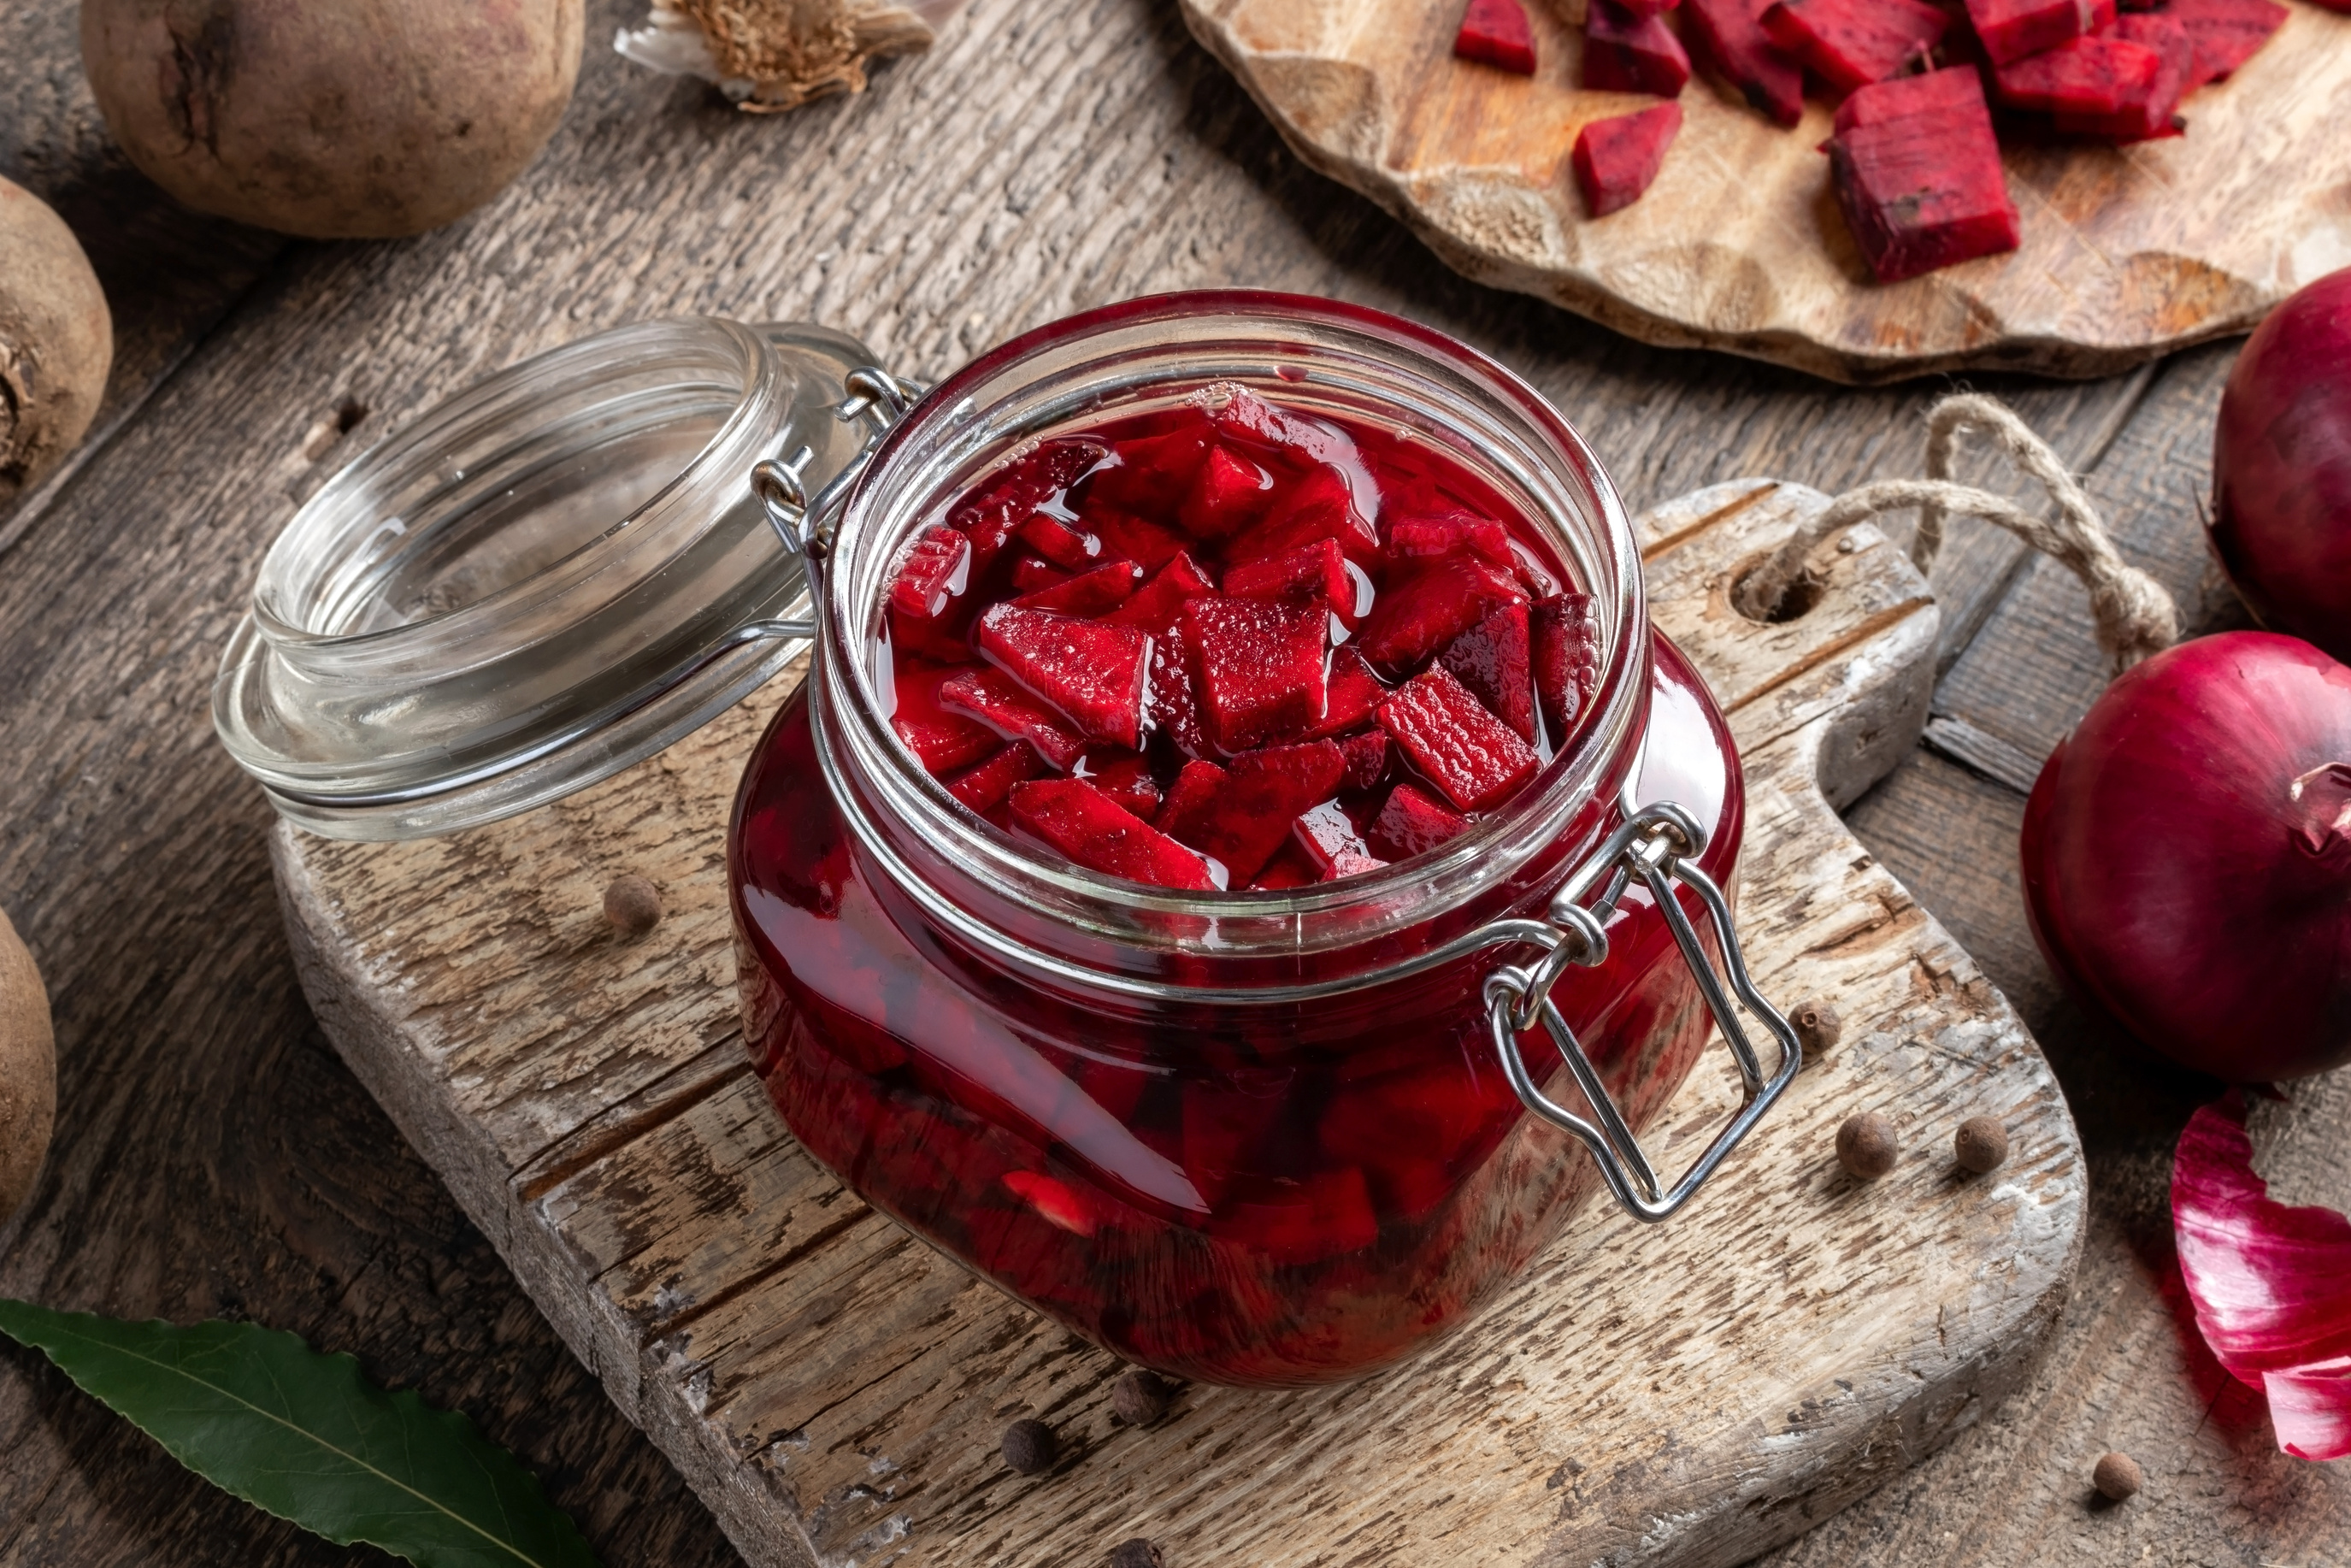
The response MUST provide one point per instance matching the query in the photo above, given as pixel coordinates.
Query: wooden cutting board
(2129, 252)
(1688, 1394)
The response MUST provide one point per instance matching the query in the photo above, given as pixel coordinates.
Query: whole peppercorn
(1865, 1145)
(1029, 1446)
(634, 906)
(2117, 1477)
(1139, 1397)
(1817, 1027)
(1136, 1553)
(1981, 1145)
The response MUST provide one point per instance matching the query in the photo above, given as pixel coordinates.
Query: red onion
(2281, 468)
(2188, 856)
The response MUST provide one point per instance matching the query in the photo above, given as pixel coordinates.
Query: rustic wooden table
(214, 1157)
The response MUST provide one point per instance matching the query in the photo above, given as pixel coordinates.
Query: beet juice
(1118, 902)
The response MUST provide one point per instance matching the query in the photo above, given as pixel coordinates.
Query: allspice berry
(1817, 1027)
(1137, 1553)
(1865, 1145)
(2117, 1477)
(1029, 1446)
(1981, 1145)
(1139, 1397)
(634, 906)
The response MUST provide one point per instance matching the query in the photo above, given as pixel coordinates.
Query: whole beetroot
(57, 341)
(357, 119)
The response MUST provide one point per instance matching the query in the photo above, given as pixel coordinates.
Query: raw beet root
(1617, 159)
(2011, 29)
(2156, 112)
(1729, 35)
(1083, 823)
(1495, 33)
(2087, 77)
(1473, 757)
(2186, 850)
(2282, 467)
(56, 342)
(1918, 176)
(1627, 52)
(1852, 43)
(2226, 33)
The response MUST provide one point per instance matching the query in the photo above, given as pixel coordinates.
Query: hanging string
(2132, 616)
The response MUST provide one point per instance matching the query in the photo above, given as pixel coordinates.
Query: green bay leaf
(307, 1438)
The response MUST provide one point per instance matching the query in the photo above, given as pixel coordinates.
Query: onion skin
(2188, 856)
(2281, 521)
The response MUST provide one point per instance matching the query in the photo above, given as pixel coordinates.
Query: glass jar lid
(541, 580)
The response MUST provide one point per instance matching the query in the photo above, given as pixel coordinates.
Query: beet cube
(1922, 189)
(1263, 793)
(1563, 638)
(1321, 504)
(1123, 776)
(1175, 693)
(2011, 29)
(1093, 673)
(1367, 758)
(1260, 668)
(983, 788)
(1495, 33)
(1041, 477)
(1615, 159)
(1002, 704)
(1353, 691)
(1328, 838)
(1140, 541)
(1289, 868)
(1106, 587)
(2086, 76)
(2225, 33)
(1316, 571)
(1852, 43)
(1182, 813)
(1413, 540)
(1150, 474)
(937, 568)
(941, 741)
(1469, 753)
(1729, 35)
(1411, 823)
(1626, 52)
(2158, 113)
(1031, 571)
(1060, 540)
(1074, 818)
(1229, 494)
(1157, 603)
(1495, 659)
(1411, 620)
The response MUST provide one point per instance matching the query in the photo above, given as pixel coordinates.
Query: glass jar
(1258, 1138)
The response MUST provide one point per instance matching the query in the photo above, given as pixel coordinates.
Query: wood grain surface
(835, 1390)
(214, 1155)
(2127, 253)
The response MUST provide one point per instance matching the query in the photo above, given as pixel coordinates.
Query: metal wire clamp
(1659, 844)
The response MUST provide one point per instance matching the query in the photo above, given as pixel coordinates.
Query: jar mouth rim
(1564, 786)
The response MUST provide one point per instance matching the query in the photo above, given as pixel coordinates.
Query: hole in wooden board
(1797, 602)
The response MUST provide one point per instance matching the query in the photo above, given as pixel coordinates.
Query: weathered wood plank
(835, 1390)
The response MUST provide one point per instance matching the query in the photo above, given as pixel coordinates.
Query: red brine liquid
(1231, 646)
(1217, 646)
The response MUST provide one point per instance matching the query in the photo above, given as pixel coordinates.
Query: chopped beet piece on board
(1918, 176)
(1729, 35)
(2011, 29)
(1852, 43)
(2156, 112)
(1624, 52)
(1617, 159)
(2226, 33)
(1095, 832)
(1472, 756)
(1495, 33)
(1261, 675)
(2086, 76)
(1093, 673)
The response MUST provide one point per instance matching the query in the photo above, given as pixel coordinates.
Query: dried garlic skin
(769, 55)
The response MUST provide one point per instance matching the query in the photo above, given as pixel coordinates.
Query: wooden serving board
(2129, 252)
(1688, 1394)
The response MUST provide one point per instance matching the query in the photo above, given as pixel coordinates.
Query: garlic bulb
(772, 55)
